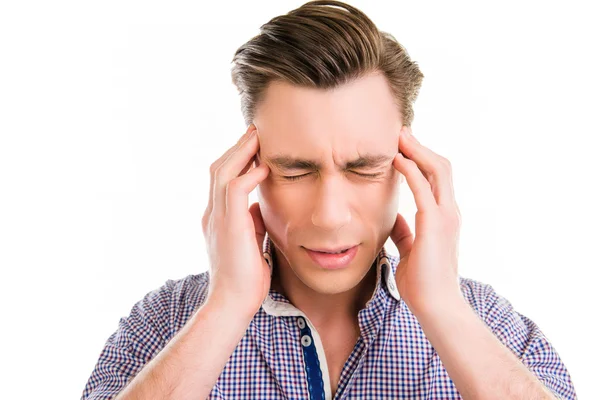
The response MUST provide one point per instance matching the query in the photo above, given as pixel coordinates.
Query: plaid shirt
(281, 355)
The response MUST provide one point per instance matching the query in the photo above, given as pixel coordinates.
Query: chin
(330, 285)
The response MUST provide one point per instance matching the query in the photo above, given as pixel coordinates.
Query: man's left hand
(427, 274)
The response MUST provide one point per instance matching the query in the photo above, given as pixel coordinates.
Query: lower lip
(333, 261)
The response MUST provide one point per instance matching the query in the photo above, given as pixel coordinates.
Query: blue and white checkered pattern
(392, 358)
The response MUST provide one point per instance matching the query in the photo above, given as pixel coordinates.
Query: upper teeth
(341, 251)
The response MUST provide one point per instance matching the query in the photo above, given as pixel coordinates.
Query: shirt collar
(276, 304)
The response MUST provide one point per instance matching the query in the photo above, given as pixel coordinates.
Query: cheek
(386, 207)
(382, 204)
(278, 197)
(278, 207)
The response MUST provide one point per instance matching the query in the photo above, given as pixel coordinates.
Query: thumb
(402, 236)
(259, 225)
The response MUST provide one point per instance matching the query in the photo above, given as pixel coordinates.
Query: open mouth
(339, 252)
(333, 260)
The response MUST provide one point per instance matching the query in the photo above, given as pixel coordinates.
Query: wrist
(441, 306)
(229, 309)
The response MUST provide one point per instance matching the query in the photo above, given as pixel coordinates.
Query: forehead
(358, 117)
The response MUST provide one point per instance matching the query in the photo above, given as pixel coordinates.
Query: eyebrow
(289, 163)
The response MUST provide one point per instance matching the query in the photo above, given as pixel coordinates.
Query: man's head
(329, 94)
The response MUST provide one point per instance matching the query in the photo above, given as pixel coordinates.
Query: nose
(331, 210)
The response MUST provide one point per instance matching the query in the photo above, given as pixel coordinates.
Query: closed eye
(297, 177)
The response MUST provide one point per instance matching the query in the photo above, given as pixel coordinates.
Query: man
(301, 299)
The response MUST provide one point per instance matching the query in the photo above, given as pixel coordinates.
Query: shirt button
(301, 323)
(306, 340)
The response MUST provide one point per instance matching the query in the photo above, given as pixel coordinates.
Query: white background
(112, 112)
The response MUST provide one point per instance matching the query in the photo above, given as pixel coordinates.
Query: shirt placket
(317, 371)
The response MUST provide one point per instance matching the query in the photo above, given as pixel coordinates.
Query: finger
(434, 167)
(259, 225)
(230, 170)
(247, 167)
(215, 165)
(402, 236)
(420, 186)
(237, 191)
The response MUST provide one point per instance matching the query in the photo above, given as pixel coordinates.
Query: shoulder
(189, 291)
(485, 301)
(152, 322)
(186, 296)
(476, 293)
(498, 313)
(521, 335)
(169, 306)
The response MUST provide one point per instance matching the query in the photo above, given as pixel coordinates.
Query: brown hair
(323, 44)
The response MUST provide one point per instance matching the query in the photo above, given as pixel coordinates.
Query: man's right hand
(240, 277)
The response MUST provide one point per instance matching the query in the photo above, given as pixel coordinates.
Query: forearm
(190, 364)
(478, 363)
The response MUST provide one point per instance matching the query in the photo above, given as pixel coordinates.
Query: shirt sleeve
(139, 337)
(525, 339)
